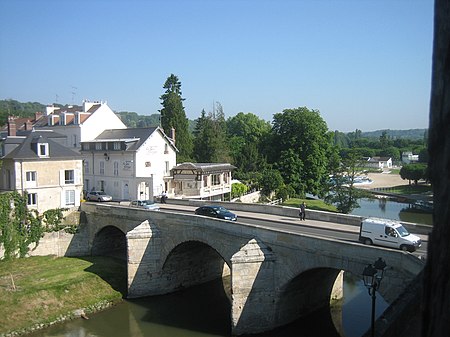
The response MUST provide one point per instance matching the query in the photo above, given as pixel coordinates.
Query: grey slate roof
(204, 167)
(24, 149)
(135, 137)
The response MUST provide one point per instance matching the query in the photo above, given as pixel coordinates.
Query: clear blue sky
(364, 64)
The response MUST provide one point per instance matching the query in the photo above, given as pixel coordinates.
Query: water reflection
(204, 311)
(391, 208)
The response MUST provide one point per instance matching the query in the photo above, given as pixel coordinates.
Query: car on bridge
(146, 204)
(215, 211)
(98, 196)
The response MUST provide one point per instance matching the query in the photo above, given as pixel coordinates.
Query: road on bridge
(309, 227)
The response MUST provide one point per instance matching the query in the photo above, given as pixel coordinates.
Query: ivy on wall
(20, 227)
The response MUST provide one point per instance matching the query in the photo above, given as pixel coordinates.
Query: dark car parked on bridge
(214, 211)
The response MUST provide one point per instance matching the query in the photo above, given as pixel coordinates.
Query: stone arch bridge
(276, 276)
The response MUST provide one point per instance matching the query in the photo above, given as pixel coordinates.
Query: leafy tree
(305, 133)
(341, 190)
(413, 172)
(238, 189)
(174, 116)
(270, 181)
(247, 133)
(285, 192)
(392, 152)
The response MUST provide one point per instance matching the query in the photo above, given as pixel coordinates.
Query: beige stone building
(37, 164)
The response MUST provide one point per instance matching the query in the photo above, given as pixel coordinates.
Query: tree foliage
(341, 190)
(270, 181)
(247, 134)
(174, 116)
(300, 146)
(210, 137)
(414, 172)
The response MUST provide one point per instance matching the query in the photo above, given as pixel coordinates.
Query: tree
(414, 172)
(210, 138)
(341, 190)
(305, 133)
(270, 181)
(247, 133)
(173, 116)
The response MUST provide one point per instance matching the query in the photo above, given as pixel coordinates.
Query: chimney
(172, 134)
(11, 126)
(37, 115)
(28, 125)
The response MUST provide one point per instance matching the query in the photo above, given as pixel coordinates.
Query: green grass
(408, 189)
(37, 290)
(318, 205)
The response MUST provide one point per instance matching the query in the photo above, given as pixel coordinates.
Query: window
(98, 146)
(32, 199)
(70, 198)
(215, 179)
(116, 168)
(166, 167)
(69, 177)
(166, 148)
(86, 166)
(102, 167)
(116, 145)
(74, 139)
(43, 150)
(31, 176)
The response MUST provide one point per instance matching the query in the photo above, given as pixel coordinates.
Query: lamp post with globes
(372, 275)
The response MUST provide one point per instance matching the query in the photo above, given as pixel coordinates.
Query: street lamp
(372, 276)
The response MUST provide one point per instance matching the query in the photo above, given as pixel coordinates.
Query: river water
(391, 208)
(204, 311)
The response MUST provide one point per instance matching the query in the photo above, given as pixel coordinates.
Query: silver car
(146, 204)
(98, 196)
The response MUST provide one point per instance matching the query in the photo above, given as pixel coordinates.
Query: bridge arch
(305, 293)
(191, 263)
(110, 241)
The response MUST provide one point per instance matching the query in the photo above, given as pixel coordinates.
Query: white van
(388, 233)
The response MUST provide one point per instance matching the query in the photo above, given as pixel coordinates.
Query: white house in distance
(206, 181)
(80, 126)
(36, 163)
(129, 164)
(408, 157)
(379, 162)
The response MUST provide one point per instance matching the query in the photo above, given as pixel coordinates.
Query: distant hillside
(397, 134)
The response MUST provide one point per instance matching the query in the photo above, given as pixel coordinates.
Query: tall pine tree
(174, 116)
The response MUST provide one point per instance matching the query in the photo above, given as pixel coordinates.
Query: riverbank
(36, 292)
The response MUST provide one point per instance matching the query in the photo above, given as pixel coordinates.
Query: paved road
(308, 227)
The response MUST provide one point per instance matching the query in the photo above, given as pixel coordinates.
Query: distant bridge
(276, 276)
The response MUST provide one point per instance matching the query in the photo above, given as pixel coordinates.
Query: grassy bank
(318, 205)
(40, 290)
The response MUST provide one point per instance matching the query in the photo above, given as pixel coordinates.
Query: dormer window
(39, 147)
(42, 150)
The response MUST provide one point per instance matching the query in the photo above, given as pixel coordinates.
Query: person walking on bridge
(302, 211)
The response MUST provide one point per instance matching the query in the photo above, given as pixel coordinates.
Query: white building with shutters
(129, 164)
